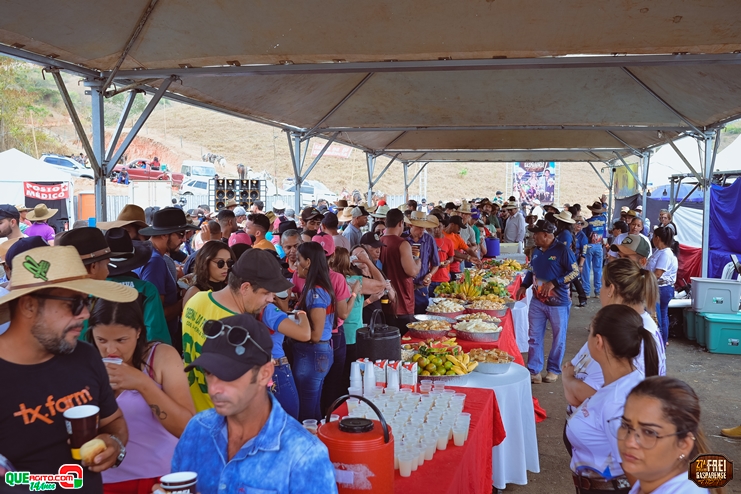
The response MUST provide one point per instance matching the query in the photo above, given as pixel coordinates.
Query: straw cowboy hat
(418, 218)
(58, 267)
(465, 208)
(381, 211)
(21, 208)
(510, 205)
(345, 215)
(130, 214)
(596, 207)
(564, 216)
(40, 213)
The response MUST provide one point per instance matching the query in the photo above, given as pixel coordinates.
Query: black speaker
(219, 194)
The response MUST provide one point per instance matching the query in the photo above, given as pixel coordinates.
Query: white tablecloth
(518, 453)
(521, 322)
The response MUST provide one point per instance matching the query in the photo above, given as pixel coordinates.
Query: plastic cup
(430, 447)
(352, 404)
(405, 391)
(459, 435)
(405, 463)
(181, 482)
(311, 425)
(415, 459)
(442, 439)
(440, 386)
(334, 417)
(355, 390)
(425, 382)
(422, 451)
(449, 392)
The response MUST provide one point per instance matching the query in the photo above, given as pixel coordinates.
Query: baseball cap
(311, 213)
(624, 209)
(289, 213)
(456, 220)
(326, 241)
(359, 211)
(633, 244)
(262, 268)
(371, 239)
(231, 354)
(543, 226)
(284, 226)
(9, 211)
(22, 245)
(330, 220)
(240, 211)
(620, 225)
(499, 193)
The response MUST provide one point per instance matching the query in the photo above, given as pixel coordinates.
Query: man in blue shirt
(596, 232)
(427, 253)
(554, 267)
(247, 442)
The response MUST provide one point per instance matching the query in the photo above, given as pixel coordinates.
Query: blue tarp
(684, 189)
(725, 226)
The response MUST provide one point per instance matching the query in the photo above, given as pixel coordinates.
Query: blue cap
(22, 245)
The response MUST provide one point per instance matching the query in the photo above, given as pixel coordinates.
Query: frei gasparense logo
(711, 471)
(68, 477)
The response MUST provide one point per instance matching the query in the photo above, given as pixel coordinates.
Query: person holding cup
(52, 373)
(247, 441)
(151, 389)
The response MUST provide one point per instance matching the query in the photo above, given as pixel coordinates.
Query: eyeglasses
(78, 303)
(644, 437)
(220, 263)
(235, 335)
(179, 234)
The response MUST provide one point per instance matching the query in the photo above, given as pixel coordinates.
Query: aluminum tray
(489, 368)
(478, 337)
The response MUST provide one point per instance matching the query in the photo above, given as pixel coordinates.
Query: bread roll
(91, 449)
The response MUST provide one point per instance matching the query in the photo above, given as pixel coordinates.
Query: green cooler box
(723, 333)
(690, 318)
(701, 328)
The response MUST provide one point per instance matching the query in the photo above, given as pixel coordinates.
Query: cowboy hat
(564, 216)
(341, 203)
(418, 218)
(40, 213)
(89, 242)
(510, 205)
(465, 208)
(231, 203)
(58, 267)
(345, 215)
(279, 205)
(130, 214)
(127, 254)
(21, 208)
(381, 211)
(166, 221)
(596, 207)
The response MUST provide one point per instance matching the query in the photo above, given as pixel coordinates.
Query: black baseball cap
(8, 211)
(621, 225)
(284, 226)
(262, 268)
(222, 357)
(543, 226)
(22, 245)
(371, 239)
(311, 213)
(330, 220)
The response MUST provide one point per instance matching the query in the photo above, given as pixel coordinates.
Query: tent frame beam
(621, 141)
(622, 161)
(408, 183)
(315, 129)
(712, 140)
(421, 128)
(298, 159)
(686, 162)
(121, 122)
(676, 206)
(370, 160)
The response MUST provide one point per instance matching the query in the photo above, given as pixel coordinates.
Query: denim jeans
(421, 300)
(538, 315)
(592, 266)
(311, 365)
(334, 385)
(666, 293)
(284, 389)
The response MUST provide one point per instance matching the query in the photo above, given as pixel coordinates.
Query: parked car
(142, 170)
(67, 164)
(198, 169)
(194, 187)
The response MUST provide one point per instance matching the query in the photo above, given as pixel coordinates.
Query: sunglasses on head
(236, 336)
(220, 263)
(77, 303)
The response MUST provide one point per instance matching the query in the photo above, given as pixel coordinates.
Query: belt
(664, 283)
(600, 484)
(319, 342)
(280, 361)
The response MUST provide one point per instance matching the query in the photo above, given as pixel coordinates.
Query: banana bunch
(462, 366)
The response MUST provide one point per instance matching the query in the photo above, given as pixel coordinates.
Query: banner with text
(46, 192)
(336, 150)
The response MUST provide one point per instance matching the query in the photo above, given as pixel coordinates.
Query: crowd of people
(262, 308)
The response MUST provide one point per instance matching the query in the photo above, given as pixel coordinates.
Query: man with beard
(51, 371)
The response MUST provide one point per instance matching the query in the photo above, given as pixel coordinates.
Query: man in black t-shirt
(47, 371)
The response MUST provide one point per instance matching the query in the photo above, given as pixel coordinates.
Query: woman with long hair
(663, 264)
(313, 359)
(659, 434)
(623, 283)
(151, 390)
(615, 339)
(212, 265)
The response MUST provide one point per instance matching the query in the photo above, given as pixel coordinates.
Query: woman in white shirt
(625, 283)
(658, 436)
(614, 341)
(664, 265)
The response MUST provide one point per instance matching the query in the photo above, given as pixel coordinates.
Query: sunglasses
(78, 303)
(220, 263)
(179, 234)
(235, 335)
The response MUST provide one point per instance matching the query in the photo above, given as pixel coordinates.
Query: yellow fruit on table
(416, 357)
(472, 366)
(431, 367)
(458, 371)
(455, 361)
(425, 373)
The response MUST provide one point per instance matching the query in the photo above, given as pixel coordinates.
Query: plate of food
(494, 309)
(478, 330)
(430, 328)
(492, 361)
(445, 308)
(482, 316)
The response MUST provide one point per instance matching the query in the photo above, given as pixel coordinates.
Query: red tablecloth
(514, 286)
(507, 341)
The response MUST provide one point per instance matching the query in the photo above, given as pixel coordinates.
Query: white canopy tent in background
(730, 158)
(17, 167)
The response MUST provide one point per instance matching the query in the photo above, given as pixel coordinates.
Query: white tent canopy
(17, 167)
(730, 158)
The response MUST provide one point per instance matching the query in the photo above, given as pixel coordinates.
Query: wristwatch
(121, 451)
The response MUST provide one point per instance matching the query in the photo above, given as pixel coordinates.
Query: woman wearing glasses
(615, 340)
(312, 360)
(151, 389)
(212, 265)
(658, 436)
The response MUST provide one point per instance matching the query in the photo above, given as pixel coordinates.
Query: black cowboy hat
(167, 220)
(129, 254)
(89, 242)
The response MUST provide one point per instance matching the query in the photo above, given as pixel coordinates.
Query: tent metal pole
(711, 138)
(385, 168)
(645, 164)
(686, 161)
(121, 122)
(318, 156)
(406, 182)
(336, 107)
(671, 197)
(674, 208)
(294, 147)
(635, 151)
(630, 170)
(598, 173)
(101, 198)
(370, 163)
(610, 207)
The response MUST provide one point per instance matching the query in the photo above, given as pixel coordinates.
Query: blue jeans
(311, 363)
(593, 265)
(538, 315)
(666, 293)
(334, 384)
(284, 389)
(421, 300)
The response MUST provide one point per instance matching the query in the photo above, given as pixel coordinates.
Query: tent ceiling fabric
(495, 114)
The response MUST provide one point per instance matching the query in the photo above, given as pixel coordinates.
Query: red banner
(46, 192)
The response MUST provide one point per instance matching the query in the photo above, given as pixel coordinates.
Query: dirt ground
(714, 378)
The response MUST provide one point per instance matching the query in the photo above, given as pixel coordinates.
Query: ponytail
(622, 328)
(650, 353)
(633, 284)
(650, 290)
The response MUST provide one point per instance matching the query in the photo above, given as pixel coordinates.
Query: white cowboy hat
(418, 218)
(564, 216)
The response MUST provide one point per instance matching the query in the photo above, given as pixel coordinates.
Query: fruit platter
(473, 285)
(440, 359)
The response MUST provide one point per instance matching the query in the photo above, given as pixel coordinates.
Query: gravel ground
(714, 378)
